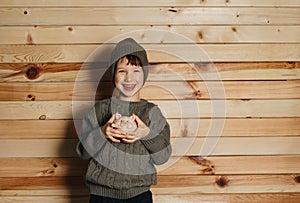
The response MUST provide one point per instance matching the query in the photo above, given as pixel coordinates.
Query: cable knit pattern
(120, 170)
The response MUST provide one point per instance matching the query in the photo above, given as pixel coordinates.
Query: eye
(121, 71)
(137, 70)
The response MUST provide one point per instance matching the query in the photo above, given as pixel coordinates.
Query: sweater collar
(120, 102)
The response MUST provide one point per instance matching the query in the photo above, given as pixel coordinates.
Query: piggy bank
(127, 123)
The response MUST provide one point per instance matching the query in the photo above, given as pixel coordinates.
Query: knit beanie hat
(125, 47)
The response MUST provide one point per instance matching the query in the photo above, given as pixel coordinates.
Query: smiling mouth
(128, 87)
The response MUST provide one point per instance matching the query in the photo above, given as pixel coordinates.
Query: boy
(121, 167)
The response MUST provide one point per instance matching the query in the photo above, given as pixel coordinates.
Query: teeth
(129, 86)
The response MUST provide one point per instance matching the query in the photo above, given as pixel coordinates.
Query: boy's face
(129, 79)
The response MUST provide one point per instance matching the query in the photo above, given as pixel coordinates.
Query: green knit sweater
(120, 170)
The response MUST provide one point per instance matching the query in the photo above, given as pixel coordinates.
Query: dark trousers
(145, 197)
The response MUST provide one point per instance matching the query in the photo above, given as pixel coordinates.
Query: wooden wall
(254, 47)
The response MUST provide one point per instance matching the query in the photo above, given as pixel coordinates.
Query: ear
(117, 115)
(132, 117)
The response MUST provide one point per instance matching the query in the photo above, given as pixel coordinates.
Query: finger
(117, 136)
(113, 125)
(112, 118)
(130, 133)
(128, 141)
(137, 119)
(113, 139)
(117, 131)
(130, 137)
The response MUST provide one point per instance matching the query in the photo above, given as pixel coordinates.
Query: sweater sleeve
(157, 142)
(91, 138)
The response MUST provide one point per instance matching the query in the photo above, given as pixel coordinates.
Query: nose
(129, 76)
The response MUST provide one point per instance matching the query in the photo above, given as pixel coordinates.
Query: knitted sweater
(120, 170)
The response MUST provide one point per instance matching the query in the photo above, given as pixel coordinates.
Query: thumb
(137, 119)
(112, 118)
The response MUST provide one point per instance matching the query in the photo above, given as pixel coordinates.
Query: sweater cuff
(153, 145)
(82, 153)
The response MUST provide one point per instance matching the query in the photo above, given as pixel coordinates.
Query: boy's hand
(141, 131)
(112, 131)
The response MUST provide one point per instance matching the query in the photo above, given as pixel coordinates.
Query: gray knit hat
(125, 47)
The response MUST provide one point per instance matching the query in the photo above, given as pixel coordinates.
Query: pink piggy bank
(127, 123)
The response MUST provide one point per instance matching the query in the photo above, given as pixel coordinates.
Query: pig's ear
(132, 117)
(117, 115)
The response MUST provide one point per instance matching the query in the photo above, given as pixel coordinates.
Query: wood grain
(195, 165)
(190, 198)
(69, 72)
(182, 90)
(166, 185)
(155, 16)
(157, 53)
(230, 198)
(171, 109)
(222, 146)
(129, 3)
(196, 34)
(60, 129)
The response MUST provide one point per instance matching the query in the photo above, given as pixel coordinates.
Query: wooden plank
(234, 108)
(171, 109)
(195, 34)
(37, 129)
(190, 198)
(225, 165)
(53, 129)
(155, 16)
(181, 146)
(181, 90)
(167, 185)
(226, 184)
(69, 72)
(229, 165)
(38, 167)
(156, 53)
(63, 72)
(45, 199)
(37, 186)
(232, 198)
(130, 3)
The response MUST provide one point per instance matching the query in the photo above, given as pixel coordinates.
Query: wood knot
(47, 172)
(185, 131)
(197, 93)
(209, 167)
(234, 29)
(297, 179)
(31, 97)
(222, 181)
(32, 72)
(42, 117)
(29, 39)
(291, 65)
(200, 34)
(174, 10)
